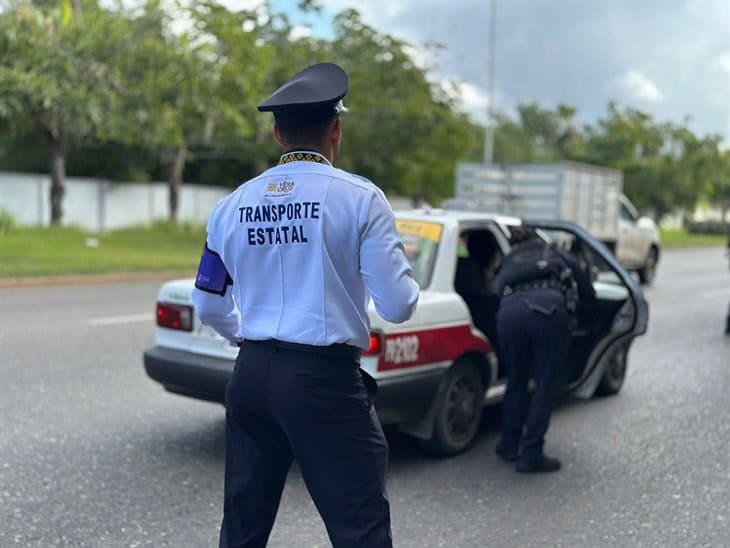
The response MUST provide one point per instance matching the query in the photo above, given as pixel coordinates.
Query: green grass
(58, 251)
(161, 247)
(682, 238)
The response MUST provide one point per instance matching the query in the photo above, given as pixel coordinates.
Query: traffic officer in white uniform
(291, 261)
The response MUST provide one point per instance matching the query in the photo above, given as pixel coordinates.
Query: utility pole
(489, 134)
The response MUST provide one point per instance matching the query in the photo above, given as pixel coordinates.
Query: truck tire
(615, 374)
(458, 410)
(648, 270)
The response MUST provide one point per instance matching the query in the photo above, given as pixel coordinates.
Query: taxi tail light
(175, 316)
(376, 344)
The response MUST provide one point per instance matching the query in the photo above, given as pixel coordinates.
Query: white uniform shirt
(306, 245)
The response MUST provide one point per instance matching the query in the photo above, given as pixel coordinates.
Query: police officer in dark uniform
(291, 260)
(537, 280)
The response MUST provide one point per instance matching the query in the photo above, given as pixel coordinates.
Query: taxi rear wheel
(458, 410)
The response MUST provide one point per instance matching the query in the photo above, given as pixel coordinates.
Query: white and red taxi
(437, 370)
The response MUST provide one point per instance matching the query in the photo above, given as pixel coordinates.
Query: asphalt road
(92, 453)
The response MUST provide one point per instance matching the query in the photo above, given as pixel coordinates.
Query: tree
(719, 184)
(538, 135)
(551, 132)
(666, 166)
(170, 97)
(57, 77)
(160, 88)
(402, 131)
(255, 56)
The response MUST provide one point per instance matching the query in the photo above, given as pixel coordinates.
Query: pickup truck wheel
(648, 271)
(458, 410)
(615, 374)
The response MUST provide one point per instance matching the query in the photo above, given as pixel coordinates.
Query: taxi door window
(598, 269)
(421, 240)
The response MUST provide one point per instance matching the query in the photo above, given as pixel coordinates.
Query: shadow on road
(204, 441)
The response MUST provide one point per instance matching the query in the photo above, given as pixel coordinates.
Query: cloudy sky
(668, 57)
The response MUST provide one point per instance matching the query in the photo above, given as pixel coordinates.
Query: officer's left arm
(585, 288)
(213, 295)
(213, 298)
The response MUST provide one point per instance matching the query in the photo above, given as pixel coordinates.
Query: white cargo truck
(588, 195)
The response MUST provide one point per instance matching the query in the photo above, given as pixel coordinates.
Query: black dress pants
(534, 337)
(285, 403)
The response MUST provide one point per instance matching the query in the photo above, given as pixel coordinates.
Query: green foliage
(665, 165)
(59, 78)
(537, 135)
(401, 131)
(170, 83)
(58, 68)
(133, 94)
(192, 95)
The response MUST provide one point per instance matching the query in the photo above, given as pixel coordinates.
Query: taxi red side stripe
(434, 345)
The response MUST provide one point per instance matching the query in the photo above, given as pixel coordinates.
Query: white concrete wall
(81, 203)
(98, 205)
(25, 197)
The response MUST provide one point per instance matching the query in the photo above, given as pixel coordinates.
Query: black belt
(338, 350)
(533, 286)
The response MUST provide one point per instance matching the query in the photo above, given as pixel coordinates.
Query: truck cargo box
(581, 193)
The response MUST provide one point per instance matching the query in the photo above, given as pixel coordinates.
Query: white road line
(116, 320)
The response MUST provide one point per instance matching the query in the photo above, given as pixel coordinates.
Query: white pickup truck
(436, 370)
(588, 195)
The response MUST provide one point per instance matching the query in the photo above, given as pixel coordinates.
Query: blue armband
(212, 274)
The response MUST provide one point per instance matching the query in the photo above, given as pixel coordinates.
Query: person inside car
(475, 282)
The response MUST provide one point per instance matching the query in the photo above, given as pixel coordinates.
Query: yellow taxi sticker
(429, 231)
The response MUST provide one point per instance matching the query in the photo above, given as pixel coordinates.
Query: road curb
(93, 279)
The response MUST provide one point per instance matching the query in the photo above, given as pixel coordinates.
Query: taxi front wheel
(458, 410)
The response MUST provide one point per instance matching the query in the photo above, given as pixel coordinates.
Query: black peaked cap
(310, 97)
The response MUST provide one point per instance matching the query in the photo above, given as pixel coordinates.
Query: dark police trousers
(286, 403)
(534, 337)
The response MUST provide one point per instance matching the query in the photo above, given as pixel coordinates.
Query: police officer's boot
(540, 466)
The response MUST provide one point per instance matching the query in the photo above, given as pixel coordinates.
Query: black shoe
(541, 466)
(509, 456)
